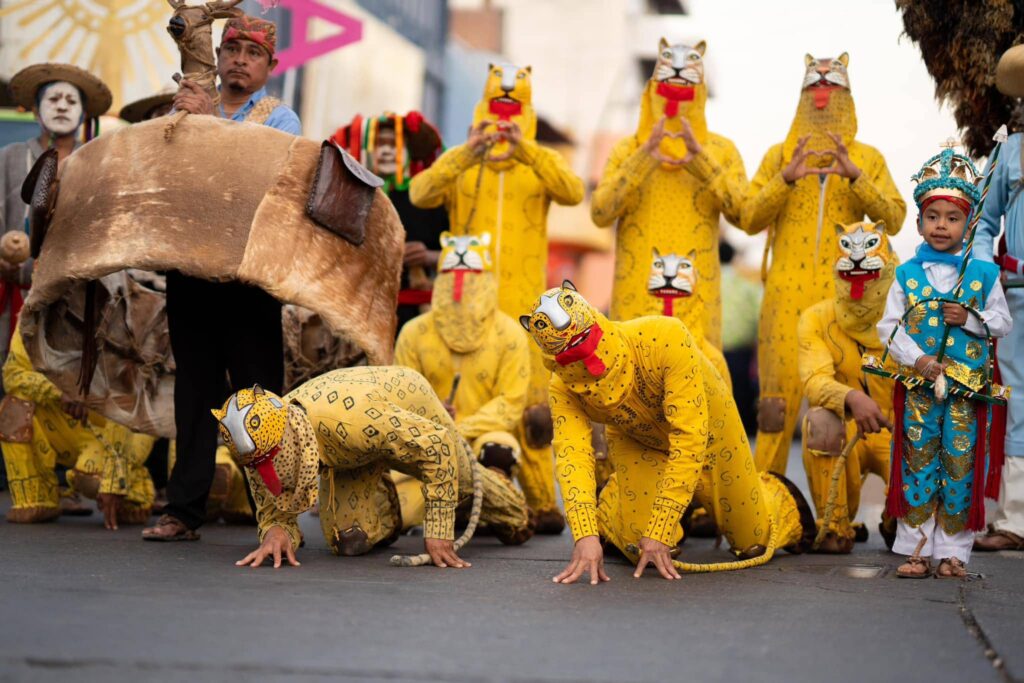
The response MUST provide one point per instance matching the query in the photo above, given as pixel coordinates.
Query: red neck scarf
(586, 352)
(674, 94)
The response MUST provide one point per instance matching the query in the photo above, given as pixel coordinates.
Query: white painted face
(60, 108)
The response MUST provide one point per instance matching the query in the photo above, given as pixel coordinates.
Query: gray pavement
(83, 604)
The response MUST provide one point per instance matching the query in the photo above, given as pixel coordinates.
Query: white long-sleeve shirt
(942, 277)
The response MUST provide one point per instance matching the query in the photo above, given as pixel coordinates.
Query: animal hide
(223, 201)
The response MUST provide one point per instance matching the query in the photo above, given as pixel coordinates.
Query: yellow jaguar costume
(669, 208)
(510, 199)
(337, 437)
(672, 429)
(101, 456)
(833, 335)
(798, 218)
(465, 335)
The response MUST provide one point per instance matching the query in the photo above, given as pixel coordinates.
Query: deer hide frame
(223, 201)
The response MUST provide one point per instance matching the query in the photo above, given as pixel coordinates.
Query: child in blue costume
(941, 445)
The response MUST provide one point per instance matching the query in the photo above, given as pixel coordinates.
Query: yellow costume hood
(864, 272)
(579, 345)
(508, 96)
(465, 292)
(675, 90)
(826, 105)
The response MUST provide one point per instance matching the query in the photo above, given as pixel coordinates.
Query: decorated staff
(941, 441)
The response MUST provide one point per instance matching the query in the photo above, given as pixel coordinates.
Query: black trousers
(225, 337)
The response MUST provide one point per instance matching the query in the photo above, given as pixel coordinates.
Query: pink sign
(300, 50)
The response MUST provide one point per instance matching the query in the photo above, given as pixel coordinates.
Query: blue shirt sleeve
(284, 119)
(990, 223)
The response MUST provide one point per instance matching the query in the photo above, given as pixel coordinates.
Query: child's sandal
(951, 568)
(914, 568)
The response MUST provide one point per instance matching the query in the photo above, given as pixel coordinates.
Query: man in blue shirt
(225, 336)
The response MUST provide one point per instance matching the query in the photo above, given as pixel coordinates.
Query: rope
(423, 559)
(833, 490)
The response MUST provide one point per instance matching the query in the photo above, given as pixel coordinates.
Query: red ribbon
(1004, 260)
(674, 94)
(997, 450)
(895, 500)
(504, 110)
(976, 515)
(585, 352)
(264, 466)
(414, 297)
(857, 282)
(11, 299)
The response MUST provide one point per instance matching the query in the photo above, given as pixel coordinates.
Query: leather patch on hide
(342, 194)
(824, 432)
(16, 419)
(540, 429)
(771, 414)
(39, 191)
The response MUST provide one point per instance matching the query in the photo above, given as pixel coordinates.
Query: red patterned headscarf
(259, 31)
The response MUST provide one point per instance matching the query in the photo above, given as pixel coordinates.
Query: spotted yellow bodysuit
(799, 218)
(833, 336)
(671, 209)
(510, 200)
(346, 431)
(673, 435)
(101, 456)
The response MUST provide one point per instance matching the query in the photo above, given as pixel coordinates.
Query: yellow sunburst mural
(124, 42)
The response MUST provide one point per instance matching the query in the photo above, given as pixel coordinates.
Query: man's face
(942, 225)
(60, 108)
(244, 66)
(384, 152)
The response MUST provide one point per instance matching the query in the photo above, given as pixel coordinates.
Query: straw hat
(26, 83)
(137, 111)
(1010, 72)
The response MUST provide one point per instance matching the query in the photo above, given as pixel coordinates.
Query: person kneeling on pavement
(337, 437)
(42, 427)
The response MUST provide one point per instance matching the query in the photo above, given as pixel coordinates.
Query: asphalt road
(82, 604)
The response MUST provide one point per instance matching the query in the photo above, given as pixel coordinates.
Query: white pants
(1010, 513)
(939, 545)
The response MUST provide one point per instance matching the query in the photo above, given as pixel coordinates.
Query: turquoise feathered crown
(947, 173)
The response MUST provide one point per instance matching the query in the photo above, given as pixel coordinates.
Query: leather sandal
(997, 539)
(915, 568)
(169, 529)
(951, 568)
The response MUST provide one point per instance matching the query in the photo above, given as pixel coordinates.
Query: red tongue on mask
(674, 94)
(822, 95)
(504, 110)
(460, 275)
(668, 297)
(585, 352)
(857, 283)
(264, 466)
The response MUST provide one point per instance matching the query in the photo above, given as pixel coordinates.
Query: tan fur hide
(221, 200)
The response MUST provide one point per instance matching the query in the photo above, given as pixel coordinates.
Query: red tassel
(895, 500)
(976, 516)
(997, 449)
